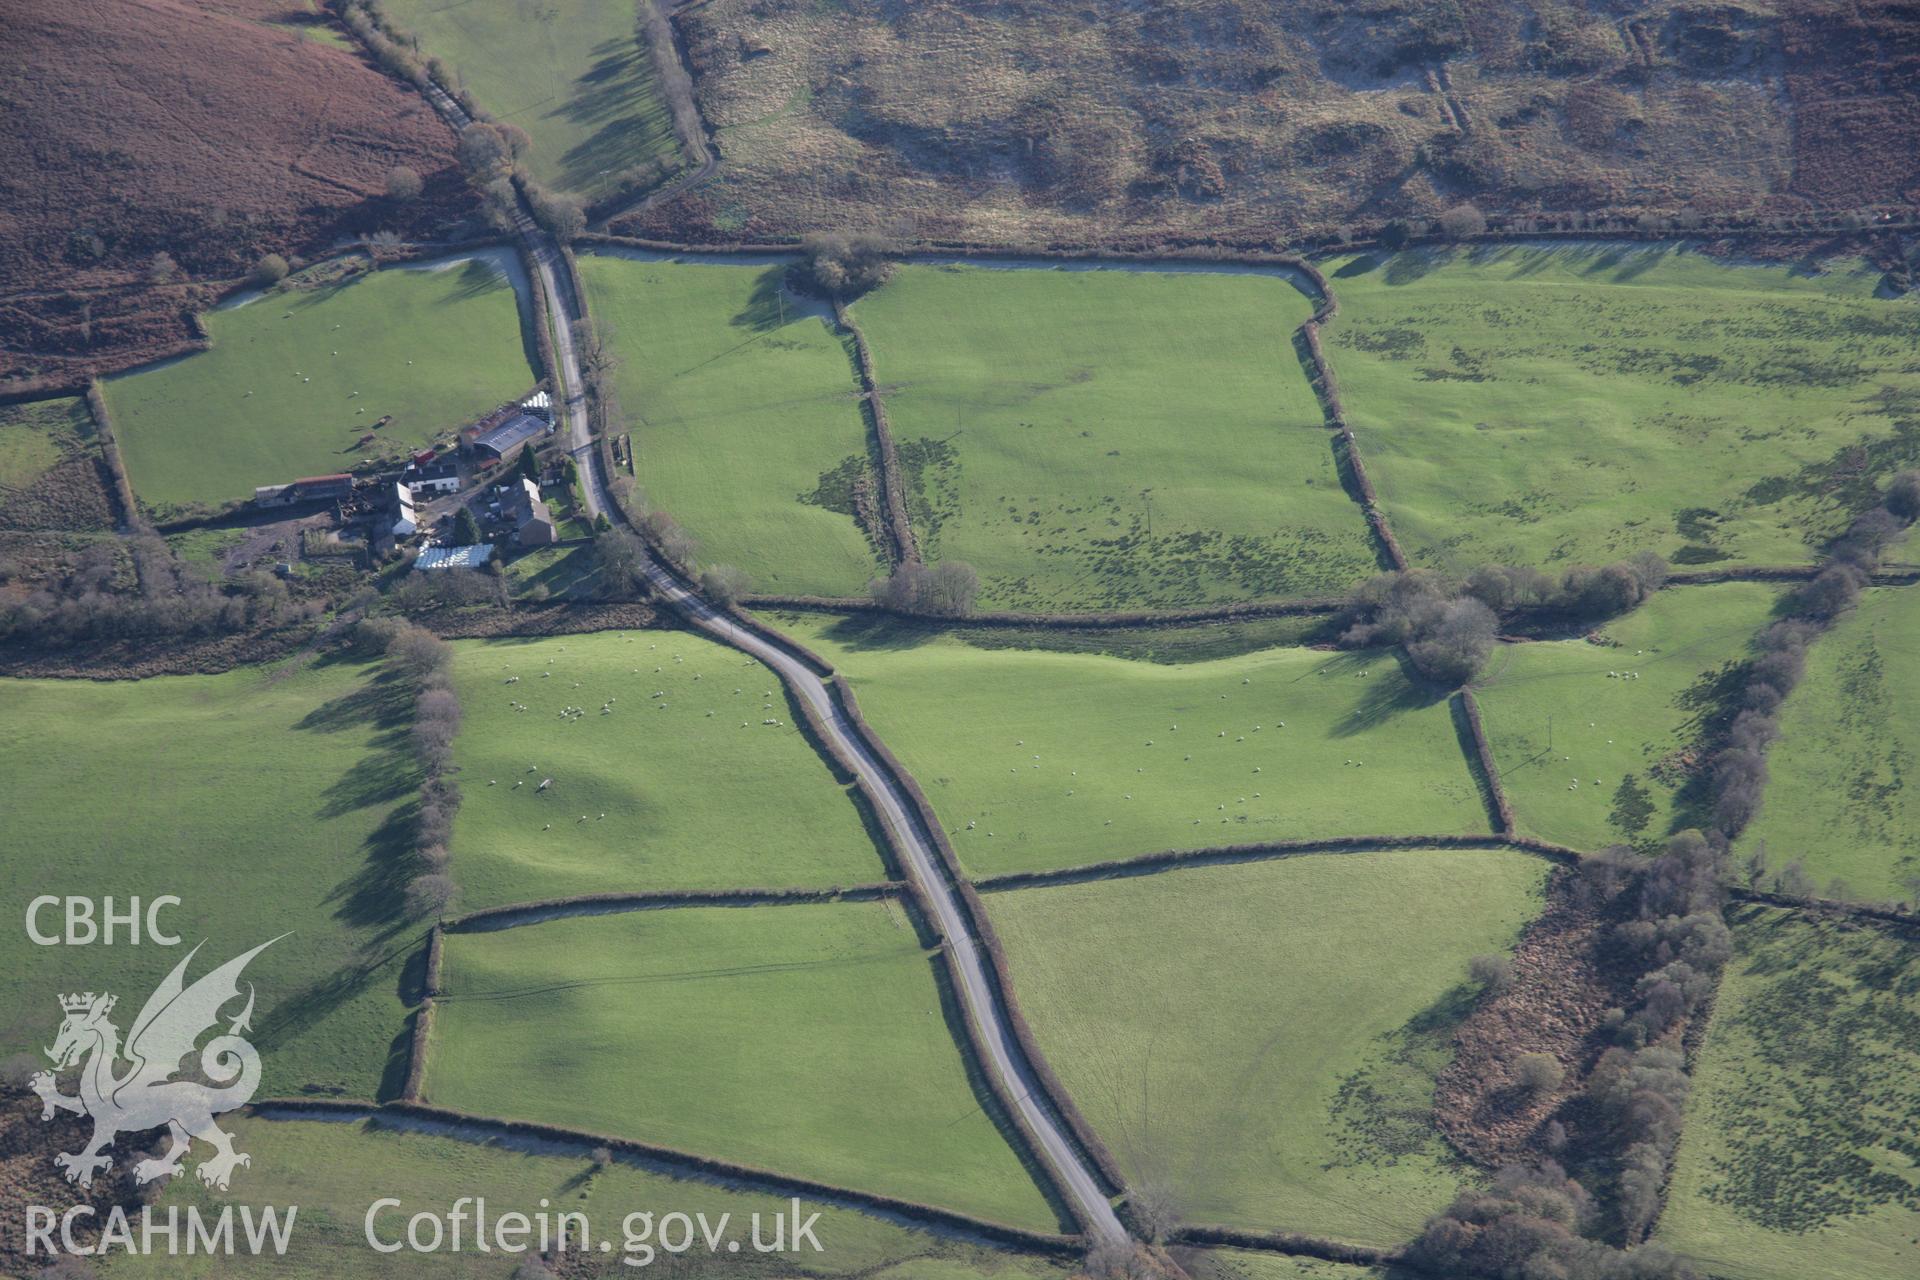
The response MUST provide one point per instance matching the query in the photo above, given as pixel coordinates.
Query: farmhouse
(333, 488)
(439, 558)
(532, 521)
(429, 476)
(496, 442)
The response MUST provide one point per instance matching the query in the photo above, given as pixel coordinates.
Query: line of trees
(1738, 775)
(943, 590)
(1448, 625)
(423, 661)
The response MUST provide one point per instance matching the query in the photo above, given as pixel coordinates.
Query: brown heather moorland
(214, 131)
(1027, 121)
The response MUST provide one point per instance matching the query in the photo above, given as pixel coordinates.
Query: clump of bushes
(723, 583)
(1447, 635)
(843, 265)
(1448, 626)
(1528, 1226)
(943, 590)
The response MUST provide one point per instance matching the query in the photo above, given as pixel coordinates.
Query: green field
(805, 1039)
(1039, 760)
(689, 790)
(48, 473)
(324, 1168)
(1248, 1264)
(275, 399)
(575, 74)
(268, 802)
(1837, 800)
(747, 427)
(1112, 439)
(1536, 404)
(1799, 1156)
(1261, 1040)
(1626, 717)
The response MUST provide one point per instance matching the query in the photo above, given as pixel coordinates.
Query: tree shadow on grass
(866, 631)
(766, 309)
(477, 279)
(399, 959)
(1392, 690)
(374, 896)
(383, 702)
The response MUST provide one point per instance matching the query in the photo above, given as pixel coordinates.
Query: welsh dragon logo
(146, 1096)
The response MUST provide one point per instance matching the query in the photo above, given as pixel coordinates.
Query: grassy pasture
(808, 1039)
(275, 398)
(48, 473)
(1799, 1157)
(1734, 414)
(691, 799)
(322, 1167)
(36, 436)
(1106, 439)
(1262, 1039)
(575, 74)
(269, 802)
(1249, 1264)
(747, 423)
(1624, 751)
(1037, 760)
(1836, 798)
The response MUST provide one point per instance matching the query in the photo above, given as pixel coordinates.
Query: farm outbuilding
(406, 522)
(469, 557)
(333, 488)
(496, 442)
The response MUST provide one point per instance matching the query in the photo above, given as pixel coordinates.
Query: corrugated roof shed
(471, 557)
(515, 431)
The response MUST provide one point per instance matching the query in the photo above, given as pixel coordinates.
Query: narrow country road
(570, 396)
(977, 992)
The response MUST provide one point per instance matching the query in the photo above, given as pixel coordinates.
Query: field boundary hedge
(1906, 921)
(1053, 1092)
(517, 914)
(906, 550)
(1251, 610)
(1482, 763)
(436, 956)
(1283, 1242)
(1347, 448)
(1263, 851)
(131, 519)
(417, 1050)
(724, 1170)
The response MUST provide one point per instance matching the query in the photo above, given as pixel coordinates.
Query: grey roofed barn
(503, 439)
